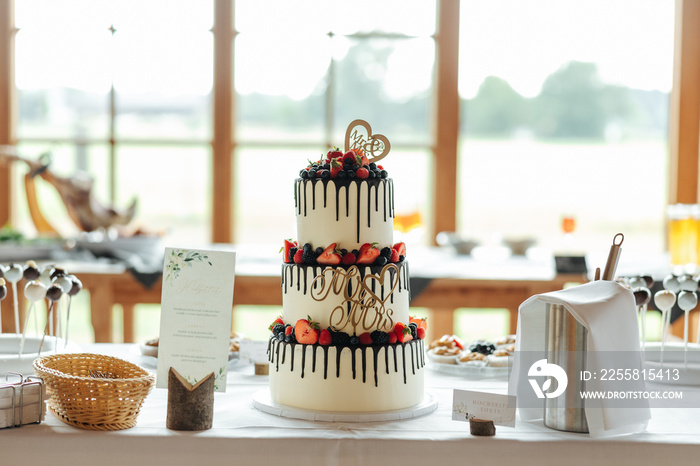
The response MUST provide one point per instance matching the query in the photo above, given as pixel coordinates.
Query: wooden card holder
(190, 407)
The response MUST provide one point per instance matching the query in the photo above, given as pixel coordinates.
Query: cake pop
(636, 282)
(14, 274)
(672, 284)
(34, 291)
(53, 294)
(45, 276)
(688, 283)
(31, 271)
(76, 286)
(664, 300)
(642, 296)
(687, 302)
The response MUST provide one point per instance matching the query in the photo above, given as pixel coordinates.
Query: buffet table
(243, 435)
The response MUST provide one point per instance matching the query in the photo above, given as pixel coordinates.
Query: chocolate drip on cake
(354, 361)
(416, 348)
(413, 363)
(339, 186)
(325, 194)
(338, 350)
(325, 362)
(375, 357)
(403, 349)
(313, 196)
(386, 359)
(385, 201)
(277, 357)
(364, 364)
(347, 199)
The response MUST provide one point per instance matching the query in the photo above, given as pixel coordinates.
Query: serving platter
(10, 361)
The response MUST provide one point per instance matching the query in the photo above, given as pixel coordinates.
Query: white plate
(10, 361)
(442, 358)
(467, 370)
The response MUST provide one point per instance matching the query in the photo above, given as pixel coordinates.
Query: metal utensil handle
(613, 258)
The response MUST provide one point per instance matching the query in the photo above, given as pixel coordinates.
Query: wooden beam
(446, 119)
(684, 118)
(8, 103)
(223, 105)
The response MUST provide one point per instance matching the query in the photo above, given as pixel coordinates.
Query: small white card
(500, 409)
(195, 318)
(254, 351)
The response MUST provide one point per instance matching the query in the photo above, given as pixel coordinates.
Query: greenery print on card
(219, 379)
(179, 259)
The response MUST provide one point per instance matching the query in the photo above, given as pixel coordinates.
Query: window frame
(684, 124)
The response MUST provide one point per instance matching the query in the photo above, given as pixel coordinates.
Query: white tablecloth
(243, 435)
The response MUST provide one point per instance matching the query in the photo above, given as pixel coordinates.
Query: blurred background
(206, 110)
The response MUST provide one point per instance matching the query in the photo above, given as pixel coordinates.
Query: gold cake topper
(359, 136)
(359, 306)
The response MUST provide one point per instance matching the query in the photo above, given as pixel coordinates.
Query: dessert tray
(673, 365)
(479, 359)
(263, 402)
(10, 361)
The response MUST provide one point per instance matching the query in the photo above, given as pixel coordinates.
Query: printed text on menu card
(195, 319)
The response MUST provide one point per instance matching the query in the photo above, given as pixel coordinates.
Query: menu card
(467, 404)
(195, 319)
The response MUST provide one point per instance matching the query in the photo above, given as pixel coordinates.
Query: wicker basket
(93, 391)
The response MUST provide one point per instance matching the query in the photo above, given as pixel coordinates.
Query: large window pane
(388, 82)
(172, 185)
(265, 210)
(280, 82)
(565, 112)
(60, 94)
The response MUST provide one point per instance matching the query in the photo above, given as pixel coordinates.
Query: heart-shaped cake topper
(359, 136)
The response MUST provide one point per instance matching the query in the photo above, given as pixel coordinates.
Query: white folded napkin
(32, 399)
(608, 311)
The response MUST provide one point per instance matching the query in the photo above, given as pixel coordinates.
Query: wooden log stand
(190, 407)
(482, 428)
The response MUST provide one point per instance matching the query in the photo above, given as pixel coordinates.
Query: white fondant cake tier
(354, 299)
(348, 212)
(347, 378)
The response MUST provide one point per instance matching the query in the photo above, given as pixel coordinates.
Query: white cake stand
(263, 402)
